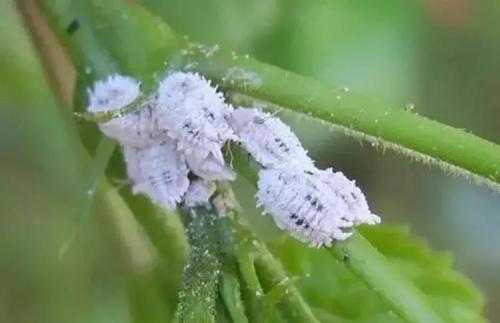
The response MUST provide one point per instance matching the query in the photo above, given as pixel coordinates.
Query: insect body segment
(209, 167)
(159, 172)
(270, 141)
(303, 206)
(194, 113)
(359, 211)
(199, 192)
(135, 129)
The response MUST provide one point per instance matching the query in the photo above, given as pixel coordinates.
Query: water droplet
(410, 106)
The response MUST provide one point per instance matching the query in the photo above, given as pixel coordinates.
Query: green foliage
(379, 276)
(449, 293)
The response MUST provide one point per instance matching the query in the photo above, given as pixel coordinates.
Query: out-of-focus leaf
(236, 24)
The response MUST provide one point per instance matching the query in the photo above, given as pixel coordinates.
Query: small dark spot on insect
(299, 222)
(259, 120)
(73, 26)
(306, 226)
(308, 197)
(293, 216)
(308, 172)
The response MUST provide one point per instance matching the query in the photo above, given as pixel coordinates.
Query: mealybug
(158, 171)
(193, 113)
(300, 202)
(270, 141)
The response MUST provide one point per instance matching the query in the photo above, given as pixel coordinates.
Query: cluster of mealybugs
(173, 151)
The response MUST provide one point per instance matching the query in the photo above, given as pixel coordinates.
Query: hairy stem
(455, 150)
(373, 268)
(400, 129)
(201, 274)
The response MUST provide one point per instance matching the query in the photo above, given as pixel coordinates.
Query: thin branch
(293, 304)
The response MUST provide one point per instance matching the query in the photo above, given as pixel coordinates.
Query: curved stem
(231, 295)
(272, 272)
(453, 149)
(367, 263)
(372, 267)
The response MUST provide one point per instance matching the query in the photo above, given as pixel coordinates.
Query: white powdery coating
(117, 91)
(209, 168)
(305, 205)
(199, 193)
(270, 141)
(158, 171)
(359, 211)
(194, 113)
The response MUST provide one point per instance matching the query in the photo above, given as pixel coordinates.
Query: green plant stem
(231, 295)
(363, 260)
(247, 269)
(373, 268)
(277, 294)
(201, 274)
(429, 141)
(293, 304)
(399, 129)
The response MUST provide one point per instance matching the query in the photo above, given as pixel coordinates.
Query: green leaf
(331, 288)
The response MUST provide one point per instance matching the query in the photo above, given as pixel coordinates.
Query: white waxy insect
(270, 141)
(209, 168)
(134, 129)
(194, 113)
(158, 171)
(300, 202)
(199, 193)
(359, 211)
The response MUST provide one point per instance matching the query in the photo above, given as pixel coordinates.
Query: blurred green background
(438, 57)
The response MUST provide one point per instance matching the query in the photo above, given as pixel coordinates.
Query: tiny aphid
(158, 171)
(134, 129)
(270, 141)
(199, 193)
(193, 113)
(300, 202)
(73, 26)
